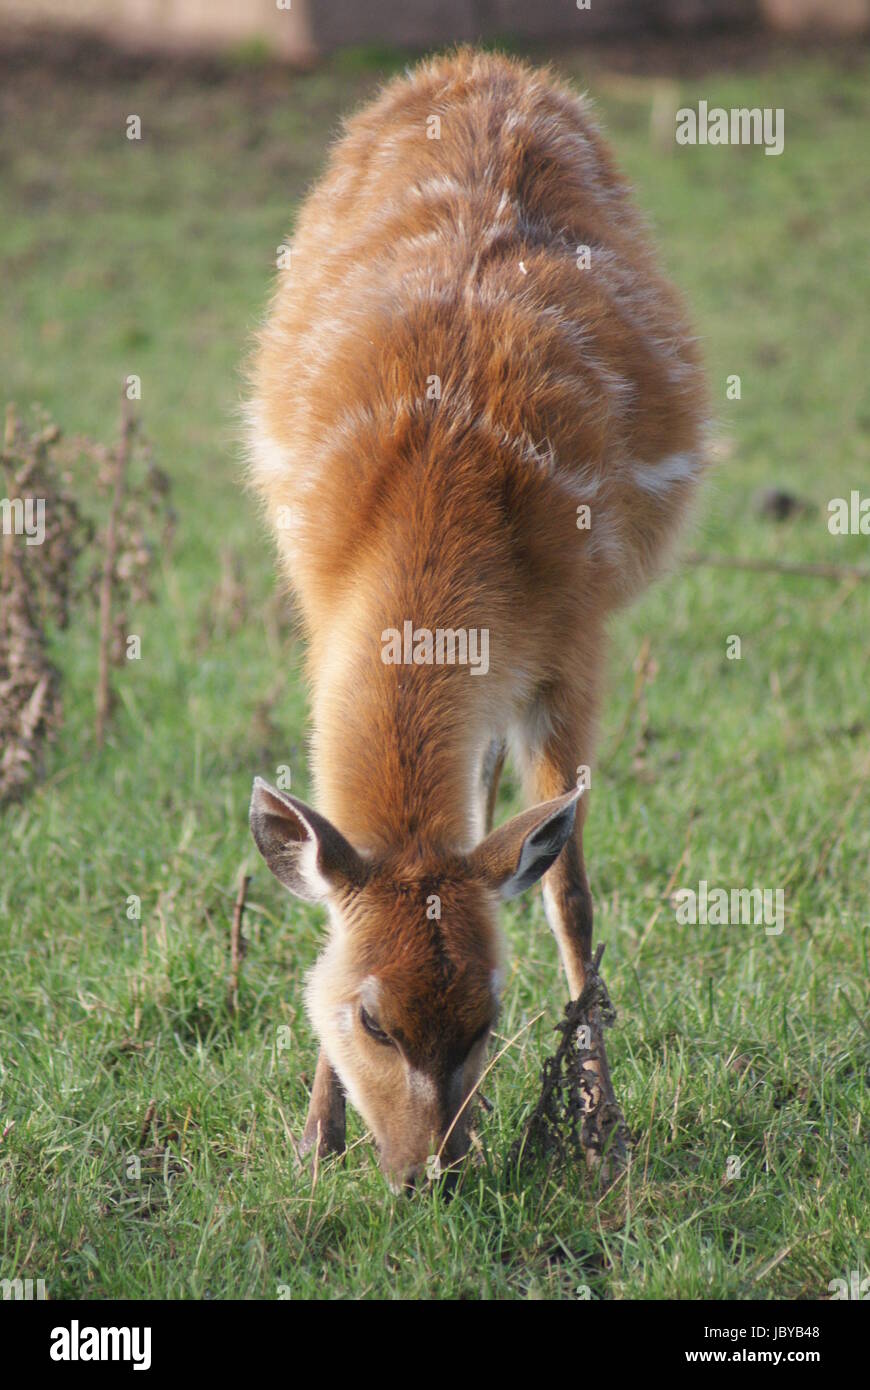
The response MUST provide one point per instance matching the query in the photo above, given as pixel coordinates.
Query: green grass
(155, 258)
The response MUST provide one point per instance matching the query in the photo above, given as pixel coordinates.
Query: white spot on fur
(443, 185)
(269, 459)
(658, 478)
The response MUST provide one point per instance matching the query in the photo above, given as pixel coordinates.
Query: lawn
(154, 257)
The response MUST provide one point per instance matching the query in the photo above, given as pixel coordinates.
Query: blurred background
(152, 258)
(299, 30)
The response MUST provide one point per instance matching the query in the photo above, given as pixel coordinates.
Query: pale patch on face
(421, 1087)
(335, 1022)
(344, 1020)
(370, 992)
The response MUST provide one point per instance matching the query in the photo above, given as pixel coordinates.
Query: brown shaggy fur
(560, 386)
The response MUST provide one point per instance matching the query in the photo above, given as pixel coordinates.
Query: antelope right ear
(302, 848)
(521, 851)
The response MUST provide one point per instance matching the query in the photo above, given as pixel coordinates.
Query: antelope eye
(372, 1028)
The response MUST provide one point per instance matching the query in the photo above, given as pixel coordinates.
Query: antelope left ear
(520, 852)
(302, 848)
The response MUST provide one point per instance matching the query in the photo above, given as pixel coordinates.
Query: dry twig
(42, 536)
(237, 944)
(107, 579)
(577, 1114)
(808, 571)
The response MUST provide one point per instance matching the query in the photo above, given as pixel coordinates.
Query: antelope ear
(516, 855)
(302, 848)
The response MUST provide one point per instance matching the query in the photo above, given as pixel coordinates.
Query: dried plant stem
(577, 1111)
(8, 536)
(237, 944)
(122, 456)
(809, 571)
(146, 1123)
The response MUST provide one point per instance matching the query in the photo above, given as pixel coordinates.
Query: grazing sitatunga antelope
(476, 413)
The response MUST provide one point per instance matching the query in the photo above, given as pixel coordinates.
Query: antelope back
(471, 291)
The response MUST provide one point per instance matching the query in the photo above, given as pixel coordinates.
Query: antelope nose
(404, 1184)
